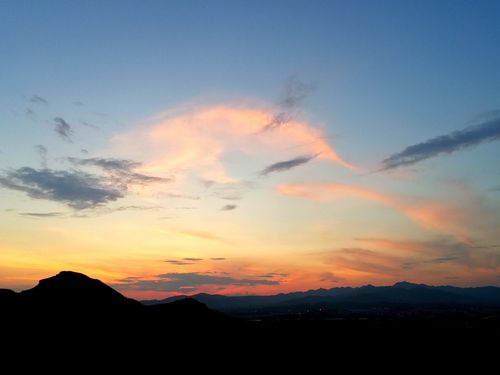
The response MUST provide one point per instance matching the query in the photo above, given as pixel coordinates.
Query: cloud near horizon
(396, 260)
(188, 282)
(195, 140)
(486, 131)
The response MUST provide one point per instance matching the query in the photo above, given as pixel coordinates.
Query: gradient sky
(233, 147)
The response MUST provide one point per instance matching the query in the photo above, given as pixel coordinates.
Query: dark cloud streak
(287, 164)
(63, 129)
(487, 131)
(37, 99)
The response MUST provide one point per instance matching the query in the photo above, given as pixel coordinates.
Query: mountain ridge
(401, 293)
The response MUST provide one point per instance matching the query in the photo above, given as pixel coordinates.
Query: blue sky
(386, 75)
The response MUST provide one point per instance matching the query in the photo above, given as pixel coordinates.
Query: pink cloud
(196, 141)
(431, 214)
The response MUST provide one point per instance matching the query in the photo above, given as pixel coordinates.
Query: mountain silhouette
(400, 296)
(72, 290)
(71, 299)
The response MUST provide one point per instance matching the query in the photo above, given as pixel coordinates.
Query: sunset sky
(250, 147)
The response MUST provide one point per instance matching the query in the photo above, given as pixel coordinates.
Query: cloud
(193, 259)
(179, 282)
(195, 141)
(441, 250)
(292, 98)
(486, 131)
(38, 100)
(451, 258)
(89, 125)
(329, 277)
(183, 196)
(200, 235)
(42, 152)
(286, 165)
(84, 151)
(120, 171)
(178, 262)
(41, 214)
(217, 259)
(364, 260)
(28, 112)
(76, 189)
(228, 207)
(272, 275)
(427, 213)
(63, 129)
(231, 191)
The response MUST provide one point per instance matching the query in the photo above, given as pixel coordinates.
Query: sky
(250, 147)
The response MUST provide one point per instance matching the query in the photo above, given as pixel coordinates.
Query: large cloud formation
(198, 139)
(486, 131)
(78, 190)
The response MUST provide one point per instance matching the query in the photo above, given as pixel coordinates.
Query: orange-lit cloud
(196, 140)
(430, 214)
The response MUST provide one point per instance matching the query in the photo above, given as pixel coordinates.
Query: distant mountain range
(402, 296)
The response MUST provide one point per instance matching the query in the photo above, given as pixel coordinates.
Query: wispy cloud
(229, 207)
(177, 262)
(200, 235)
(42, 214)
(89, 125)
(78, 190)
(29, 113)
(42, 152)
(427, 213)
(217, 259)
(441, 250)
(486, 131)
(63, 129)
(287, 164)
(121, 171)
(37, 99)
(292, 98)
(180, 282)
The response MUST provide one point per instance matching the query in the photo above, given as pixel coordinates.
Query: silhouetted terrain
(71, 302)
(402, 298)
(71, 306)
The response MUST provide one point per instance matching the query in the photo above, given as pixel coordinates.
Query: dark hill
(75, 302)
(72, 290)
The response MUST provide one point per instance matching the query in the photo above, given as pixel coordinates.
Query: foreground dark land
(71, 307)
